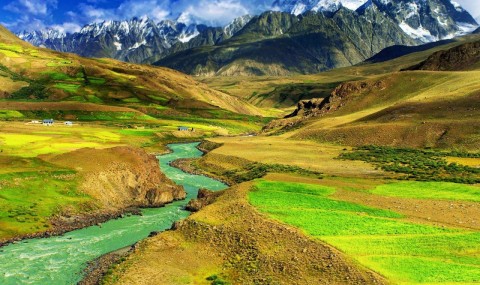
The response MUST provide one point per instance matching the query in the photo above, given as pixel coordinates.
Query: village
(48, 122)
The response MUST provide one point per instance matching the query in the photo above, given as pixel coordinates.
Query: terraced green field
(402, 250)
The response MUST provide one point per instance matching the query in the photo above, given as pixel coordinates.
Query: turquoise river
(61, 260)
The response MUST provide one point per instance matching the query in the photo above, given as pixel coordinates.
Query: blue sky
(70, 16)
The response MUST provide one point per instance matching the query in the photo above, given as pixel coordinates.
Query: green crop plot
(429, 190)
(71, 88)
(403, 251)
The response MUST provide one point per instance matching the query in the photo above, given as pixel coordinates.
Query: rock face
(315, 107)
(122, 177)
(205, 197)
(457, 58)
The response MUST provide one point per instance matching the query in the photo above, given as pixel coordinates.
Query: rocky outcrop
(458, 58)
(205, 197)
(340, 95)
(315, 107)
(122, 177)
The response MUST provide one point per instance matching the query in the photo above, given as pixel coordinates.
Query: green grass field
(404, 251)
(29, 198)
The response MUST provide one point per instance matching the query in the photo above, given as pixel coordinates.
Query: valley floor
(356, 224)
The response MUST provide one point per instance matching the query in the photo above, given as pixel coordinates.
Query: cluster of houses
(185, 129)
(49, 122)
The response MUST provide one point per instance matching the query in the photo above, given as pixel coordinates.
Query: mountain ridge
(143, 41)
(137, 40)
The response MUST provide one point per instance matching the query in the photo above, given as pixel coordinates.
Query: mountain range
(316, 34)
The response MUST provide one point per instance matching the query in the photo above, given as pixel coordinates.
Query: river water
(61, 260)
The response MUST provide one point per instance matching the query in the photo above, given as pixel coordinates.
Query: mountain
(427, 20)
(277, 43)
(381, 106)
(398, 51)
(316, 34)
(138, 40)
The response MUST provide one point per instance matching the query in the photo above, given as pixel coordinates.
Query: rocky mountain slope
(121, 177)
(427, 20)
(276, 43)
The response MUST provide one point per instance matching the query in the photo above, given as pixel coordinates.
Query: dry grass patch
(305, 154)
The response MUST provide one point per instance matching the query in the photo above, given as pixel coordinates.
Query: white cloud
(32, 7)
(68, 27)
(156, 10)
(217, 11)
(25, 23)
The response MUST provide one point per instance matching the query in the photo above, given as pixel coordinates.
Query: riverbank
(119, 181)
(61, 226)
(97, 268)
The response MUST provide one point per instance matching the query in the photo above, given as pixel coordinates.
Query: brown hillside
(46, 75)
(415, 109)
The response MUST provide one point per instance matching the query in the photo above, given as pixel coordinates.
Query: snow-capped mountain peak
(297, 7)
(135, 40)
(428, 20)
(236, 25)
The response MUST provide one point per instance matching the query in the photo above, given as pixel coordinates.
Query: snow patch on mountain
(353, 4)
(465, 28)
(236, 25)
(186, 36)
(118, 45)
(419, 33)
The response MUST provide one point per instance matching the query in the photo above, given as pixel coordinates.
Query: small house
(48, 122)
(68, 123)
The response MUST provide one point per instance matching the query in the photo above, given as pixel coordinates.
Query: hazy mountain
(138, 40)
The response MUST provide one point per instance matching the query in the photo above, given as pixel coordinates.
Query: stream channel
(62, 259)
